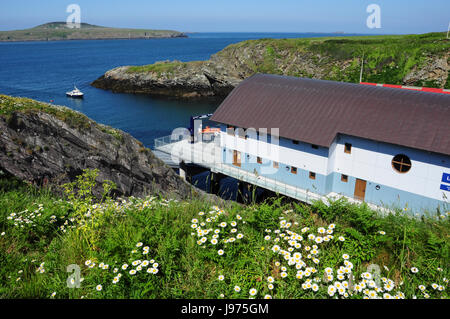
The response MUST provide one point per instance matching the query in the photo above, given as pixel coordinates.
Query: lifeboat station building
(312, 139)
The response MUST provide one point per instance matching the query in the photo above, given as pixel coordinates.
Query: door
(360, 189)
(237, 158)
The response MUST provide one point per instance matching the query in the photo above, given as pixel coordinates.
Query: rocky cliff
(46, 144)
(420, 60)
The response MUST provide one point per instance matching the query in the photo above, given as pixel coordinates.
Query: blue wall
(324, 184)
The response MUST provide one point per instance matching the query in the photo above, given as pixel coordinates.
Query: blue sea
(46, 70)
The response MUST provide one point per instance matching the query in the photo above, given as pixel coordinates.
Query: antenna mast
(362, 66)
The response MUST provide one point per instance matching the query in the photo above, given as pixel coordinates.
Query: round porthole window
(401, 163)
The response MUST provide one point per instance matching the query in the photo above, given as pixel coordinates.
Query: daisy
(414, 270)
(220, 252)
(237, 288)
(270, 279)
(331, 290)
(253, 292)
(99, 287)
(221, 277)
(139, 244)
(132, 271)
(267, 297)
(270, 286)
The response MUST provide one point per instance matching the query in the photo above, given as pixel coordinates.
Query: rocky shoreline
(421, 60)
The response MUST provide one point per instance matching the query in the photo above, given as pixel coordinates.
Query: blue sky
(397, 16)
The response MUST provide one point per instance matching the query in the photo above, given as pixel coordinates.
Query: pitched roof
(315, 111)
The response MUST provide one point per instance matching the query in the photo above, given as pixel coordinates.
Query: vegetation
(157, 67)
(387, 59)
(10, 105)
(158, 248)
(59, 31)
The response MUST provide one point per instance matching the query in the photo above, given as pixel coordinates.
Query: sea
(46, 70)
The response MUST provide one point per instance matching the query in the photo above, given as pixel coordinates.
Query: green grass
(388, 58)
(78, 230)
(9, 105)
(157, 67)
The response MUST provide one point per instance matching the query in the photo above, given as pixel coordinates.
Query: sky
(350, 16)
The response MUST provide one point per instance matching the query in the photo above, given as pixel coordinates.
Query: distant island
(57, 31)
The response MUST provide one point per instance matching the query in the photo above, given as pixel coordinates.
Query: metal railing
(210, 155)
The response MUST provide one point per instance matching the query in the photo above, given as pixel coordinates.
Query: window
(275, 164)
(344, 178)
(295, 142)
(259, 160)
(401, 163)
(312, 175)
(348, 148)
(294, 170)
(316, 147)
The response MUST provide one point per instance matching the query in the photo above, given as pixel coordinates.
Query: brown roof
(314, 111)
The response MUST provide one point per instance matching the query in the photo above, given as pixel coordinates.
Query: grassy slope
(189, 270)
(58, 31)
(387, 58)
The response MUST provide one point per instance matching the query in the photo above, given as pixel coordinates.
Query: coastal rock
(330, 59)
(44, 144)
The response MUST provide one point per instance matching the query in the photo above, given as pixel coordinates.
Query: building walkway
(209, 155)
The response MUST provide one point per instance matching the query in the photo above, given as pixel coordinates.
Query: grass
(157, 67)
(9, 105)
(387, 58)
(46, 234)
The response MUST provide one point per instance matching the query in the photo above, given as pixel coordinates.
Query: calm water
(46, 70)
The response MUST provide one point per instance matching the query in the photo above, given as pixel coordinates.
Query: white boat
(75, 93)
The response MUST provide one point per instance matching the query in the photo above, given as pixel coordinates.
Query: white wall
(301, 158)
(371, 161)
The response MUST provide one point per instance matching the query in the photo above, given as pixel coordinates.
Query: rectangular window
(312, 175)
(316, 147)
(295, 142)
(344, 178)
(348, 148)
(293, 170)
(259, 160)
(275, 164)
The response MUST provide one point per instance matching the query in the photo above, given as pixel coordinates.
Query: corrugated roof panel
(315, 111)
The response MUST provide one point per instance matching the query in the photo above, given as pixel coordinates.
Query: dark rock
(41, 149)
